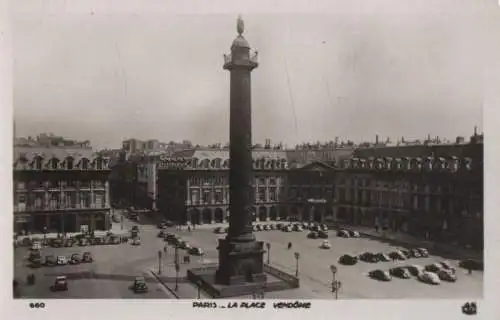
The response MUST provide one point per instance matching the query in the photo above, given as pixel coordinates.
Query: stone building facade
(59, 190)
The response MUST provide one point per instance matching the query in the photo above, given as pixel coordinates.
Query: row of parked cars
(36, 260)
(402, 254)
(431, 274)
(177, 241)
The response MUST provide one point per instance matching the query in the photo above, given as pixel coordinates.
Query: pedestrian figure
(189, 228)
(469, 270)
(289, 245)
(165, 249)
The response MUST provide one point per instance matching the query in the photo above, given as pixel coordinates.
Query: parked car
(83, 242)
(184, 245)
(323, 227)
(56, 243)
(36, 245)
(298, 228)
(325, 245)
(343, 234)
(50, 261)
(273, 226)
(347, 259)
(447, 266)
(87, 257)
(136, 241)
(447, 275)
(314, 227)
(267, 227)
(161, 225)
(429, 277)
(75, 259)
(415, 269)
(323, 234)
(139, 285)
(305, 225)
(169, 223)
(312, 235)
(471, 264)
(254, 228)
(434, 267)
(34, 254)
(279, 226)
(415, 253)
(195, 251)
(380, 275)
(383, 257)
(368, 257)
(162, 233)
(35, 262)
(114, 239)
(134, 233)
(287, 229)
(60, 284)
(259, 227)
(423, 252)
(135, 228)
(400, 272)
(397, 255)
(354, 234)
(219, 230)
(170, 237)
(406, 253)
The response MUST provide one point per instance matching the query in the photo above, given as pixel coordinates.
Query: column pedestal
(240, 262)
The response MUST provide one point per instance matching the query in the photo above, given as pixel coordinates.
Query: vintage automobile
(297, 227)
(267, 227)
(60, 284)
(50, 261)
(75, 259)
(272, 226)
(447, 275)
(136, 241)
(343, 234)
(259, 227)
(415, 253)
(83, 242)
(447, 266)
(434, 267)
(57, 243)
(279, 226)
(347, 259)
(406, 253)
(400, 272)
(254, 228)
(139, 285)
(62, 260)
(184, 245)
(162, 233)
(383, 257)
(397, 255)
(368, 257)
(354, 234)
(69, 242)
(322, 234)
(287, 228)
(415, 269)
(162, 225)
(380, 275)
(429, 277)
(312, 235)
(314, 227)
(195, 251)
(325, 245)
(87, 257)
(36, 245)
(34, 254)
(423, 252)
(323, 227)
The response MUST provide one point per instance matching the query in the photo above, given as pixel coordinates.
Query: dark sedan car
(139, 285)
(312, 235)
(347, 259)
(380, 275)
(368, 257)
(50, 261)
(435, 267)
(322, 234)
(400, 272)
(383, 257)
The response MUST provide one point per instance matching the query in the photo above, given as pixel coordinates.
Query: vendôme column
(240, 256)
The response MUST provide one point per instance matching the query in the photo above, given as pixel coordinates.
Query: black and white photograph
(249, 155)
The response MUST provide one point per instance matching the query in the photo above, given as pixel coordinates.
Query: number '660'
(37, 305)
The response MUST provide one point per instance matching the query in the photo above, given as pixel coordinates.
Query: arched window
(54, 163)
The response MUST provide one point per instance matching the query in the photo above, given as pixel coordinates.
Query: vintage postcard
(323, 160)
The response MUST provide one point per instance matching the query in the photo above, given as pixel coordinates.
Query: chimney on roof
(376, 139)
(475, 130)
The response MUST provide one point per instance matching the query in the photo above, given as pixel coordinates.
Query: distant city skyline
(108, 78)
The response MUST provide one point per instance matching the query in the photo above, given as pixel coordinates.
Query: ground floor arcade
(69, 221)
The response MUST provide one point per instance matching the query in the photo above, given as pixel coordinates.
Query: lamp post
(159, 261)
(121, 222)
(297, 257)
(268, 244)
(336, 285)
(177, 269)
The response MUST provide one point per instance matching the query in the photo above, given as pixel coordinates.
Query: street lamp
(268, 244)
(297, 256)
(336, 285)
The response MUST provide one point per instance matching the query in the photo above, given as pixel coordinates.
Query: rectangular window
(21, 185)
(272, 194)
(262, 181)
(272, 181)
(39, 203)
(71, 184)
(85, 200)
(218, 196)
(206, 196)
(21, 198)
(262, 195)
(195, 196)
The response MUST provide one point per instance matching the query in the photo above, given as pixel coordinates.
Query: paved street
(314, 268)
(110, 276)
(116, 266)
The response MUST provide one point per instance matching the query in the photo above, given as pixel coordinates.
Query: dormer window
(54, 163)
(99, 164)
(85, 164)
(38, 163)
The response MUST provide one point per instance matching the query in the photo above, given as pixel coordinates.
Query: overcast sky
(397, 69)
